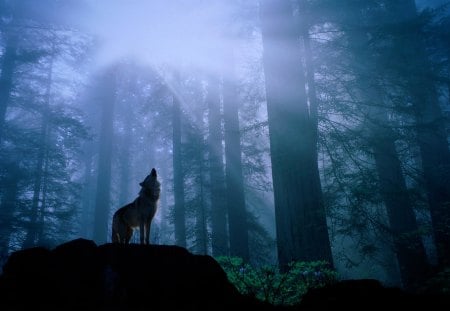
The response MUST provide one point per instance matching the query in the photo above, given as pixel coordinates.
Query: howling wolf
(139, 213)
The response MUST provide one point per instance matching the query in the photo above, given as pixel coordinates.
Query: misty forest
(313, 132)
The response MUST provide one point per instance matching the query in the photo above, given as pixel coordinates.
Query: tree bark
(299, 211)
(430, 126)
(8, 206)
(162, 208)
(237, 215)
(86, 203)
(178, 176)
(125, 160)
(408, 244)
(201, 226)
(6, 79)
(404, 231)
(216, 172)
(103, 196)
(37, 205)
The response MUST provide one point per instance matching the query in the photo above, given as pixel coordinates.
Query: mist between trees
(306, 130)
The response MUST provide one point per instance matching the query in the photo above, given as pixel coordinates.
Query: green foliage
(269, 284)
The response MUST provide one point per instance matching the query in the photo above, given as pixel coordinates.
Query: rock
(80, 275)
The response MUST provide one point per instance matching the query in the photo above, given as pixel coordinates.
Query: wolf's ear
(153, 173)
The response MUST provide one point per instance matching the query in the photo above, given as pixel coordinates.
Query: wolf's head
(151, 187)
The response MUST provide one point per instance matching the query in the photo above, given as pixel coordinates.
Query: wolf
(138, 213)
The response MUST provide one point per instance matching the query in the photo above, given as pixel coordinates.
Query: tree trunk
(216, 172)
(312, 96)
(300, 216)
(86, 203)
(37, 206)
(408, 244)
(201, 231)
(178, 177)
(237, 215)
(103, 196)
(125, 160)
(430, 127)
(8, 206)
(162, 208)
(6, 79)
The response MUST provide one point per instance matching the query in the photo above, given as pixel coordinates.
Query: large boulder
(80, 275)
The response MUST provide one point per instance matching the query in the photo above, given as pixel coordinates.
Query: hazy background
(290, 130)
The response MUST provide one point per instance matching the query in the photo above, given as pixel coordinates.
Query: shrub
(269, 284)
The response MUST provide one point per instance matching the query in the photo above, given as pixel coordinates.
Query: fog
(279, 131)
(160, 33)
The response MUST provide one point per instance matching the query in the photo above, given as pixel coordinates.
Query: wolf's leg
(114, 237)
(148, 222)
(128, 235)
(141, 230)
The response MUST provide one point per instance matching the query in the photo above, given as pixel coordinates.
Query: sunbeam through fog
(294, 141)
(173, 33)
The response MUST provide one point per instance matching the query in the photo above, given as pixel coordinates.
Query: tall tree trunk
(103, 196)
(201, 231)
(299, 211)
(86, 203)
(125, 160)
(45, 180)
(237, 215)
(6, 79)
(178, 176)
(433, 144)
(201, 225)
(8, 205)
(408, 244)
(216, 171)
(430, 126)
(162, 209)
(39, 174)
(312, 95)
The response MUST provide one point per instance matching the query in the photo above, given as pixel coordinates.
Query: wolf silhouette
(138, 213)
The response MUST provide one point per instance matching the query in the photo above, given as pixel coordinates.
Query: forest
(281, 130)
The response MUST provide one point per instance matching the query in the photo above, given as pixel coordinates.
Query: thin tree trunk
(216, 172)
(8, 206)
(201, 231)
(103, 196)
(162, 209)
(200, 221)
(125, 160)
(6, 79)
(39, 174)
(237, 215)
(87, 212)
(45, 179)
(300, 216)
(178, 177)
